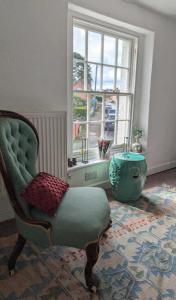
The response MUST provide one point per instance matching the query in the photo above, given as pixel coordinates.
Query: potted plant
(137, 135)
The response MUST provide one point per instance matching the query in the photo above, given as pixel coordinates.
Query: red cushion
(45, 192)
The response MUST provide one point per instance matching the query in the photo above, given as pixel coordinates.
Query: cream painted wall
(33, 55)
(33, 61)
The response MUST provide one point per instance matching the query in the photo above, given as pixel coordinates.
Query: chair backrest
(18, 154)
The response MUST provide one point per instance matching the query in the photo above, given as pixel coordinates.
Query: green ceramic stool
(127, 174)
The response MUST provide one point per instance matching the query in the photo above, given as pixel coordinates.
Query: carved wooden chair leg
(92, 252)
(109, 225)
(15, 254)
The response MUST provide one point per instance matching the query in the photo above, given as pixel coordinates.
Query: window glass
(124, 108)
(122, 132)
(110, 106)
(122, 80)
(95, 107)
(109, 50)
(79, 107)
(94, 77)
(108, 78)
(79, 132)
(123, 58)
(94, 134)
(109, 128)
(78, 75)
(79, 42)
(94, 46)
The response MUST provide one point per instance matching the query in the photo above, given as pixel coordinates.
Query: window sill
(81, 165)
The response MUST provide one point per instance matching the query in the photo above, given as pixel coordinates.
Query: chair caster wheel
(105, 235)
(12, 272)
(93, 284)
(93, 289)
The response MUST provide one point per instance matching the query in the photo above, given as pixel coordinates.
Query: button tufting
(7, 134)
(19, 157)
(13, 132)
(19, 129)
(13, 147)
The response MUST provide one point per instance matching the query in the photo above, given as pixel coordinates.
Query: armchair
(82, 217)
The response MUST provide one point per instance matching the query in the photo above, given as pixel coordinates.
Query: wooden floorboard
(168, 177)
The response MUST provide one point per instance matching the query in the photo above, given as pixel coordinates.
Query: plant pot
(137, 146)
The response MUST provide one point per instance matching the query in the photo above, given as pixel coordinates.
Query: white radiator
(52, 131)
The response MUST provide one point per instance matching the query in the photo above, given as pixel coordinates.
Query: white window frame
(90, 23)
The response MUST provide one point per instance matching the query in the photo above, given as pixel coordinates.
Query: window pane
(79, 107)
(108, 78)
(123, 53)
(95, 108)
(122, 80)
(94, 134)
(110, 116)
(109, 50)
(94, 46)
(122, 132)
(110, 107)
(78, 43)
(93, 153)
(78, 75)
(124, 108)
(109, 128)
(79, 132)
(94, 77)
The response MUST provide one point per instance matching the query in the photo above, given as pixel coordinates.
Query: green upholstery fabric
(37, 234)
(82, 215)
(18, 144)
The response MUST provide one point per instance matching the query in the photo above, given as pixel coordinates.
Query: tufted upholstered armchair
(81, 219)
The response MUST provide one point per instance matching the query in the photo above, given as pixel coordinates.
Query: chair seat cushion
(81, 217)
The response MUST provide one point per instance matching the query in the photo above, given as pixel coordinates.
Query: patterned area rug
(137, 260)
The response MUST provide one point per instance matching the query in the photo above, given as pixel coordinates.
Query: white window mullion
(131, 99)
(116, 54)
(88, 116)
(103, 116)
(102, 54)
(86, 87)
(85, 62)
(116, 120)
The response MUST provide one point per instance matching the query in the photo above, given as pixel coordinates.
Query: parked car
(109, 125)
(108, 107)
(111, 112)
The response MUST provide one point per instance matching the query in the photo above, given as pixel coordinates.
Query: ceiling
(166, 7)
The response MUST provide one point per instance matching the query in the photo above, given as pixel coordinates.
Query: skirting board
(162, 167)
